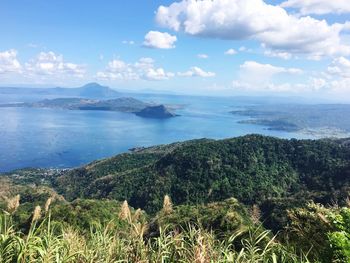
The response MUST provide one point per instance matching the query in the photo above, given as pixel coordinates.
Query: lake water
(62, 138)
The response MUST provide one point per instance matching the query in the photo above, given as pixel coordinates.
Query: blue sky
(219, 47)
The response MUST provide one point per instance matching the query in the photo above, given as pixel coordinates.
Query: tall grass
(47, 241)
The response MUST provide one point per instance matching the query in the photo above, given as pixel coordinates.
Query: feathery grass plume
(255, 214)
(200, 250)
(47, 204)
(138, 230)
(75, 241)
(167, 205)
(125, 211)
(13, 204)
(36, 213)
(137, 215)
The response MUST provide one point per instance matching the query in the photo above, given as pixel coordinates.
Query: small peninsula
(156, 112)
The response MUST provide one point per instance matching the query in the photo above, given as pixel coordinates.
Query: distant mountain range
(91, 96)
(123, 104)
(90, 90)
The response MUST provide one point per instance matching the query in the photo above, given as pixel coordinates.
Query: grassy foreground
(127, 239)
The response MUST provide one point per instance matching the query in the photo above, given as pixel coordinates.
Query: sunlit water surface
(62, 138)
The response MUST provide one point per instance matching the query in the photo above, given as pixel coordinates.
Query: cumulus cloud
(46, 67)
(155, 39)
(204, 56)
(196, 72)
(336, 78)
(230, 52)
(255, 19)
(319, 7)
(49, 63)
(257, 76)
(333, 81)
(277, 54)
(9, 62)
(144, 68)
(340, 67)
(157, 74)
(267, 69)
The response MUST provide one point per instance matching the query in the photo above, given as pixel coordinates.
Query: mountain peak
(94, 89)
(93, 85)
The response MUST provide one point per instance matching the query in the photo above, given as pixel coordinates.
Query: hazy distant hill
(90, 90)
(122, 104)
(299, 117)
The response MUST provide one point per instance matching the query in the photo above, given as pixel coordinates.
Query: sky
(208, 47)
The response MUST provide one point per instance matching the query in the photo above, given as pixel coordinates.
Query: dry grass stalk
(255, 214)
(13, 204)
(125, 211)
(167, 205)
(36, 213)
(47, 204)
(137, 215)
(200, 250)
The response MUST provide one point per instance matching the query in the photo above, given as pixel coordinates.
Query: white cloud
(256, 77)
(319, 7)
(155, 39)
(336, 79)
(267, 69)
(340, 67)
(203, 56)
(245, 49)
(9, 62)
(157, 74)
(196, 72)
(261, 77)
(231, 52)
(317, 83)
(49, 63)
(278, 54)
(45, 68)
(118, 70)
(144, 68)
(255, 19)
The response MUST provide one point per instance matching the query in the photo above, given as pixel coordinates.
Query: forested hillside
(253, 169)
(269, 172)
(242, 184)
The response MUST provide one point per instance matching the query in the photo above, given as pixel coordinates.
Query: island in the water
(123, 104)
(91, 96)
(157, 111)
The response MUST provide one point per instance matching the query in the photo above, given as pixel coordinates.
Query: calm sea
(63, 138)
